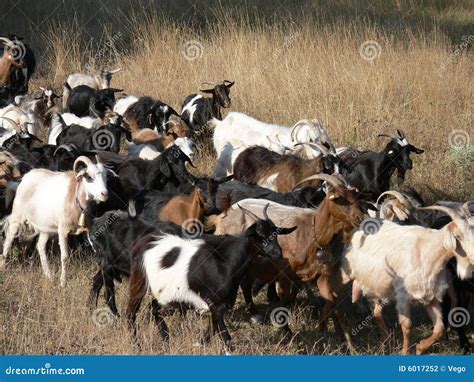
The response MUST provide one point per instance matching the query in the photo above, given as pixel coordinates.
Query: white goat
(123, 104)
(407, 264)
(100, 80)
(54, 203)
(238, 127)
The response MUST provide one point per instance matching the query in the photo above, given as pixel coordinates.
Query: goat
(19, 77)
(100, 80)
(9, 62)
(371, 171)
(306, 197)
(413, 270)
(6, 96)
(258, 165)
(147, 113)
(70, 192)
(238, 127)
(86, 101)
(148, 144)
(105, 138)
(307, 251)
(197, 111)
(175, 268)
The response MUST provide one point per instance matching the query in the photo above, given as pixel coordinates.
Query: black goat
(235, 191)
(197, 110)
(204, 273)
(371, 171)
(86, 101)
(148, 113)
(106, 138)
(6, 96)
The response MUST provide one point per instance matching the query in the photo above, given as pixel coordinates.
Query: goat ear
(416, 150)
(229, 85)
(449, 239)
(81, 173)
(224, 179)
(208, 91)
(115, 90)
(285, 231)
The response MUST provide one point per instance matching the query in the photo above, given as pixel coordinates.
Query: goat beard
(400, 177)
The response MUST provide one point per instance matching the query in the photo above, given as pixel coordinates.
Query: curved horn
(18, 127)
(208, 83)
(465, 208)
(247, 212)
(298, 124)
(115, 71)
(401, 134)
(67, 147)
(448, 211)
(81, 159)
(320, 147)
(333, 181)
(397, 195)
(391, 136)
(265, 215)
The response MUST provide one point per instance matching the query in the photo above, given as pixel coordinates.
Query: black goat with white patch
(197, 110)
(371, 171)
(204, 273)
(148, 113)
(86, 101)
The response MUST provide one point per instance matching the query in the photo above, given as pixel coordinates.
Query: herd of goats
(285, 207)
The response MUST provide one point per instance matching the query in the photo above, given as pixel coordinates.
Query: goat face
(265, 233)
(105, 99)
(48, 96)
(221, 93)
(461, 240)
(93, 178)
(399, 150)
(159, 115)
(187, 146)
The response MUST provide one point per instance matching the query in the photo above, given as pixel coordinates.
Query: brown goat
(8, 64)
(307, 251)
(261, 166)
(160, 142)
(183, 207)
(8, 168)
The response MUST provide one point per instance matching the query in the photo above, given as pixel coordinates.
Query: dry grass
(284, 72)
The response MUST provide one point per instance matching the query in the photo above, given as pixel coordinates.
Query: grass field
(361, 68)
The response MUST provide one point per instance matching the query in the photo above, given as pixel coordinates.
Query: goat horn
(465, 208)
(298, 124)
(392, 136)
(18, 127)
(265, 215)
(250, 213)
(401, 134)
(332, 180)
(208, 83)
(67, 147)
(320, 147)
(448, 211)
(115, 71)
(81, 159)
(397, 195)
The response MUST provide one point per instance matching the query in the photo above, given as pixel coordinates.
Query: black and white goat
(86, 101)
(197, 110)
(204, 273)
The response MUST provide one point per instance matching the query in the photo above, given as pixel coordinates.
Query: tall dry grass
(284, 71)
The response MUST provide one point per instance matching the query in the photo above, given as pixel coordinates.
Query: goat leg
(97, 283)
(434, 311)
(160, 322)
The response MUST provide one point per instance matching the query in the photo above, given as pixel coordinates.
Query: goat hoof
(256, 319)
(420, 350)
